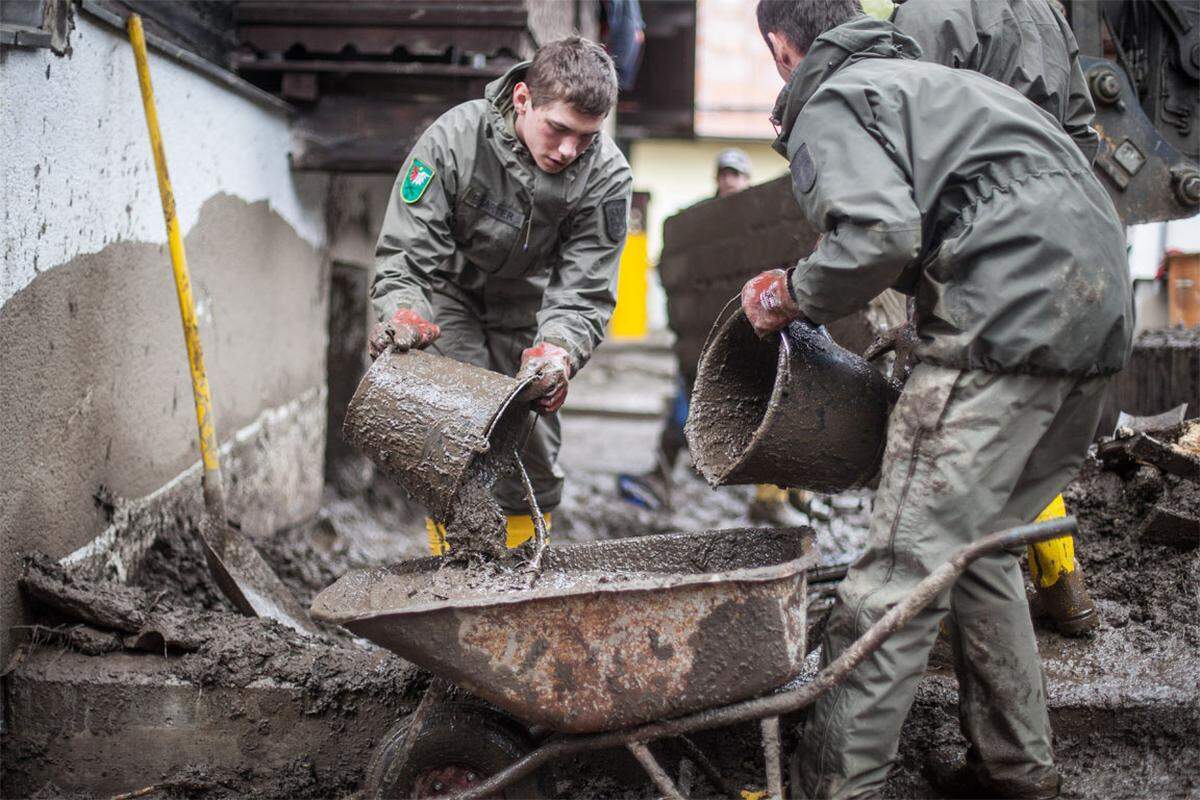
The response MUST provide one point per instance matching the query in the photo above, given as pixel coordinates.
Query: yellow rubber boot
(1058, 579)
(518, 530)
(770, 507)
(437, 537)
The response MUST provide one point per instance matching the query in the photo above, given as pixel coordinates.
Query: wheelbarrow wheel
(458, 746)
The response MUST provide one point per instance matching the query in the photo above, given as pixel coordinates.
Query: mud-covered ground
(1148, 645)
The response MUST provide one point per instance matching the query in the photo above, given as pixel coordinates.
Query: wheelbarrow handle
(776, 705)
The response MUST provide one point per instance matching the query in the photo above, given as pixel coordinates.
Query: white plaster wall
(75, 155)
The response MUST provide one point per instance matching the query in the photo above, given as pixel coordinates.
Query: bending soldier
(950, 187)
(501, 243)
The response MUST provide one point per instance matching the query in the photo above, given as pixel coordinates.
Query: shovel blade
(245, 577)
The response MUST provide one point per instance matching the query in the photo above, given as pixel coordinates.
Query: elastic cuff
(791, 290)
(572, 351)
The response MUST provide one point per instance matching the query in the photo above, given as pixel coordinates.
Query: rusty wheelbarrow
(621, 643)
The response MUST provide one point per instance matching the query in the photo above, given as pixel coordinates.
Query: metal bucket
(423, 419)
(793, 409)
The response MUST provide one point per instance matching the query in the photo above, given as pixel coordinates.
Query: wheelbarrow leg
(770, 738)
(697, 757)
(656, 772)
(435, 692)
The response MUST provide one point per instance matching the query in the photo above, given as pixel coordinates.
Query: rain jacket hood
(862, 37)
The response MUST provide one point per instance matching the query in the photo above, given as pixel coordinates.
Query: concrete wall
(96, 414)
(678, 173)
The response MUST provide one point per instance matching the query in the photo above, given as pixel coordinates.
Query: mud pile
(214, 648)
(243, 677)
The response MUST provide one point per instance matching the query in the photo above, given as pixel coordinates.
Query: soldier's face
(555, 134)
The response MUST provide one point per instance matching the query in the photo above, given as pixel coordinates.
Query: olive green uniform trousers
(465, 338)
(968, 453)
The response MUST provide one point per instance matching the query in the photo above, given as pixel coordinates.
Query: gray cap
(734, 159)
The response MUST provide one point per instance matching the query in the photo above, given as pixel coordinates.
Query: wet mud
(213, 648)
(1124, 702)
(147, 651)
(475, 523)
(1147, 597)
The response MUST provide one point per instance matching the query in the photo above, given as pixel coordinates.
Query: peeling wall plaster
(75, 156)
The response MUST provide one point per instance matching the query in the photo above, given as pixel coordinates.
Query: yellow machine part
(519, 530)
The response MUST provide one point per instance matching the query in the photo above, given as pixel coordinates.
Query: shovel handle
(214, 497)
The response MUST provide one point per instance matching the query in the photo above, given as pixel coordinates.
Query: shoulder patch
(615, 219)
(416, 181)
(804, 171)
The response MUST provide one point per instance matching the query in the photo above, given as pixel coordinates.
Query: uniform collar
(860, 38)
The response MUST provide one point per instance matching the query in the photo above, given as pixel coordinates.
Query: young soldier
(952, 188)
(501, 242)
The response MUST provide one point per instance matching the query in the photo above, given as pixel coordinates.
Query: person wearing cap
(733, 171)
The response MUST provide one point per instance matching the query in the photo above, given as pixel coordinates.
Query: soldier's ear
(522, 100)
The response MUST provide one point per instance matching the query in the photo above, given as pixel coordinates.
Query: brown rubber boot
(1067, 603)
(953, 776)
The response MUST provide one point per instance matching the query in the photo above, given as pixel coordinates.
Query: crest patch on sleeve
(615, 219)
(804, 171)
(416, 181)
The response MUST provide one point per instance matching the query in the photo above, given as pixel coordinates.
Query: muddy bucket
(423, 419)
(794, 409)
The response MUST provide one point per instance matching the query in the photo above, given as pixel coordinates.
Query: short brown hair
(577, 71)
(800, 22)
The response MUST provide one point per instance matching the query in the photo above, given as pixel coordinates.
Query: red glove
(405, 330)
(768, 302)
(549, 366)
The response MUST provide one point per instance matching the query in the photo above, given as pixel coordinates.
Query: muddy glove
(901, 340)
(768, 302)
(405, 330)
(549, 367)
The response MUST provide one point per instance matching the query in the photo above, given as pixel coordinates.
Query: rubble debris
(105, 605)
(1168, 526)
(107, 657)
(1175, 450)
(215, 648)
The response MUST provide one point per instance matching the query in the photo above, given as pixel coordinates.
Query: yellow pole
(209, 453)
(630, 318)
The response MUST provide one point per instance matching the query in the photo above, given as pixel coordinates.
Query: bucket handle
(719, 322)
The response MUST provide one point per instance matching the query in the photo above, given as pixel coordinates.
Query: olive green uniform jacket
(524, 248)
(1024, 44)
(952, 188)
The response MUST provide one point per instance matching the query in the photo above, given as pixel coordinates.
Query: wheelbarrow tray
(705, 619)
